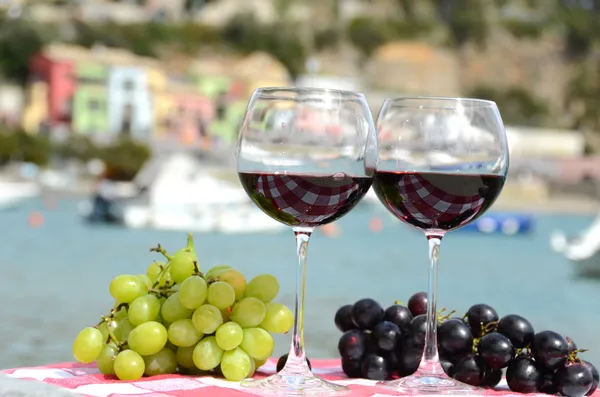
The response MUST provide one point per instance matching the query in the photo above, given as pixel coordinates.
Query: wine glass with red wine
(306, 157)
(442, 163)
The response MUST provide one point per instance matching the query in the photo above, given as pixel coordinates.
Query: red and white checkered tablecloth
(307, 197)
(87, 381)
(425, 204)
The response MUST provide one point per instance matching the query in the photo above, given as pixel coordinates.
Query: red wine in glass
(304, 200)
(437, 200)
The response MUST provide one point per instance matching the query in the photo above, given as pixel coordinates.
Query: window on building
(94, 105)
(128, 85)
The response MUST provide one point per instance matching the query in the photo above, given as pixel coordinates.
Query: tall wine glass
(442, 163)
(305, 157)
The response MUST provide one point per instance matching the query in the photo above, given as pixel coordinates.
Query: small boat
(13, 193)
(582, 250)
(182, 195)
(508, 224)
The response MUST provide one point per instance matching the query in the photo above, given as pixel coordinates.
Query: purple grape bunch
(479, 348)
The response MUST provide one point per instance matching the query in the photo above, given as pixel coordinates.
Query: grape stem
(161, 251)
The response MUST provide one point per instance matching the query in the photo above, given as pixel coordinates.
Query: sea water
(54, 277)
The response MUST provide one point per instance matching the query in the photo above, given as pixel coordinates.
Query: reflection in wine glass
(442, 164)
(295, 166)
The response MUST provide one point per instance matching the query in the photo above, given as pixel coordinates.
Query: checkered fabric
(307, 198)
(425, 205)
(87, 381)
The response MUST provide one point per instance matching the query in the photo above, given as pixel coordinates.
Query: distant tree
(518, 106)
(465, 19)
(581, 21)
(366, 34)
(19, 41)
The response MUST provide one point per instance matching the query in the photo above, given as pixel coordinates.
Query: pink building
(59, 74)
(191, 116)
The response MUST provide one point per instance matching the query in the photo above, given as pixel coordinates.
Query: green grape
(172, 309)
(258, 343)
(182, 266)
(229, 336)
(166, 277)
(103, 328)
(126, 288)
(252, 369)
(161, 363)
(260, 363)
(221, 295)
(213, 272)
(121, 329)
(121, 314)
(182, 333)
(148, 338)
(129, 365)
(207, 354)
(143, 309)
(264, 287)
(185, 357)
(106, 360)
(87, 345)
(207, 319)
(278, 319)
(236, 279)
(169, 345)
(192, 292)
(235, 365)
(249, 312)
(154, 270)
(145, 281)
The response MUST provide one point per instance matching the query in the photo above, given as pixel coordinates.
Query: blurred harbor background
(118, 121)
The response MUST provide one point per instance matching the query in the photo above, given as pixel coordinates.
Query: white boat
(582, 250)
(181, 195)
(12, 192)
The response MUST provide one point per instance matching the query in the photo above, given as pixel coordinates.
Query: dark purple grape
(547, 385)
(446, 366)
(399, 315)
(343, 318)
(491, 377)
(385, 336)
(375, 367)
(571, 343)
(352, 368)
(392, 360)
(496, 350)
(417, 329)
(550, 350)
(353, 344)
(367, 313)
(523, 375)
(574, 380)
(408, 357)
(417, 304)
(595, 376)
(283, 359)
(479, 316)
(469, 369)
(516, 328)
(454, 338)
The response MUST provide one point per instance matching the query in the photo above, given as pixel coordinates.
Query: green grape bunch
(176, 319)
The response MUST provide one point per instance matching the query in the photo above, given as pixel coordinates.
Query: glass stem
(296, 362)
(430, 363)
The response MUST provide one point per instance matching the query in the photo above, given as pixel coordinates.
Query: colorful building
(107, 92)
(130, 109)
(90, 103)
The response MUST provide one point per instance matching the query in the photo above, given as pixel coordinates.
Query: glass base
(285, 384)
(430, 384)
